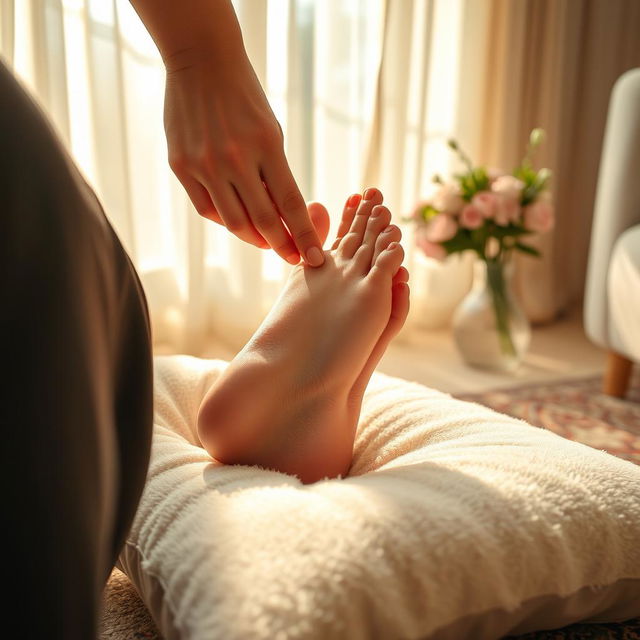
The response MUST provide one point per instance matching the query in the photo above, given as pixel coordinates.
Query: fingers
(291, 207)
(234, 216)
(265, 218)
(200, 198)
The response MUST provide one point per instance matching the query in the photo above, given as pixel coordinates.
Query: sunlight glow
(79, 102)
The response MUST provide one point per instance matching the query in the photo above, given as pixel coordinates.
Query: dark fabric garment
(76, 397)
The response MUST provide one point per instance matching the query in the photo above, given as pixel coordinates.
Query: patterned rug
(578, 410)
(574, 409)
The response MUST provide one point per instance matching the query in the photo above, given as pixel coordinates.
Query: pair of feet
(290, 400)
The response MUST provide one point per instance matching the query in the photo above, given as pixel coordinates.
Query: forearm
(188, 31)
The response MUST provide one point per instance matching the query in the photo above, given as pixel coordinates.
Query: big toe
(320, 219)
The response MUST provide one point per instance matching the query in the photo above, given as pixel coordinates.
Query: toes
(378, 220)
(402, 275)
(388, 262)
(397, 318)
(320, 219)
(348, 213)
(399, 307)
(353, 239)
(389, 235)
(399, 312)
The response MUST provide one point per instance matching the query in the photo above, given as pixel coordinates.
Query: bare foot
(291, 399)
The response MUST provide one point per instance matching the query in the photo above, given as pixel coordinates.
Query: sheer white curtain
(366, 92)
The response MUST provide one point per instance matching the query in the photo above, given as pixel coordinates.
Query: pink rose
(471, 217)
(441, 228)
(486, 202)
(430, 249)
(448, 198)
(507, 210)
(539, 216)
(509, 187)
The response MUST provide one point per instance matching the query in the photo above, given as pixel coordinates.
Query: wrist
(204, 54)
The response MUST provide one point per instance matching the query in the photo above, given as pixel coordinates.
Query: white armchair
(612, 298)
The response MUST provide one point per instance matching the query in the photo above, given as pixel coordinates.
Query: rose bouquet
(490, 213)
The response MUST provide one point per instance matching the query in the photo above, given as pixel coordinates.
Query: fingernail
(392, 246)
(293, 258)
(388, 230)
(376, 212)
(369, 193)
(354, 200)
(315, 257)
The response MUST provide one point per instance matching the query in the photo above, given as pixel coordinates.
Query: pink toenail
(354, 200)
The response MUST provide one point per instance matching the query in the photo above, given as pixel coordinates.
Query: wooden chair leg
(617, 375)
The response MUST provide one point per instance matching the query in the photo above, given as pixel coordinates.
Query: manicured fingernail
(354, 200)
(369, 193)
(315, 257)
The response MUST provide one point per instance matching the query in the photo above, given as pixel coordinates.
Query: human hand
(226, 148)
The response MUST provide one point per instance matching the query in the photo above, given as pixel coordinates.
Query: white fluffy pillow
(456, 522)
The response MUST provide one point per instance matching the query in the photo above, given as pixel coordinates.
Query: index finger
(292, 208)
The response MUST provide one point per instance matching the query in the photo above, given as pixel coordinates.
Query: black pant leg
(76, 404)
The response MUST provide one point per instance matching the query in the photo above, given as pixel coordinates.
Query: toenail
(369, 194)
(354, 200)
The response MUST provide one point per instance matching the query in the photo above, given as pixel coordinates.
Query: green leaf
(525, 248)
(529, 194)
(526, 174)
(480, 179)
(511, 230)
(472, 182)
(479, 236)
(462, 241)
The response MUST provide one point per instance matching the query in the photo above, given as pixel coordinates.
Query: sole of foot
(290, 400)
